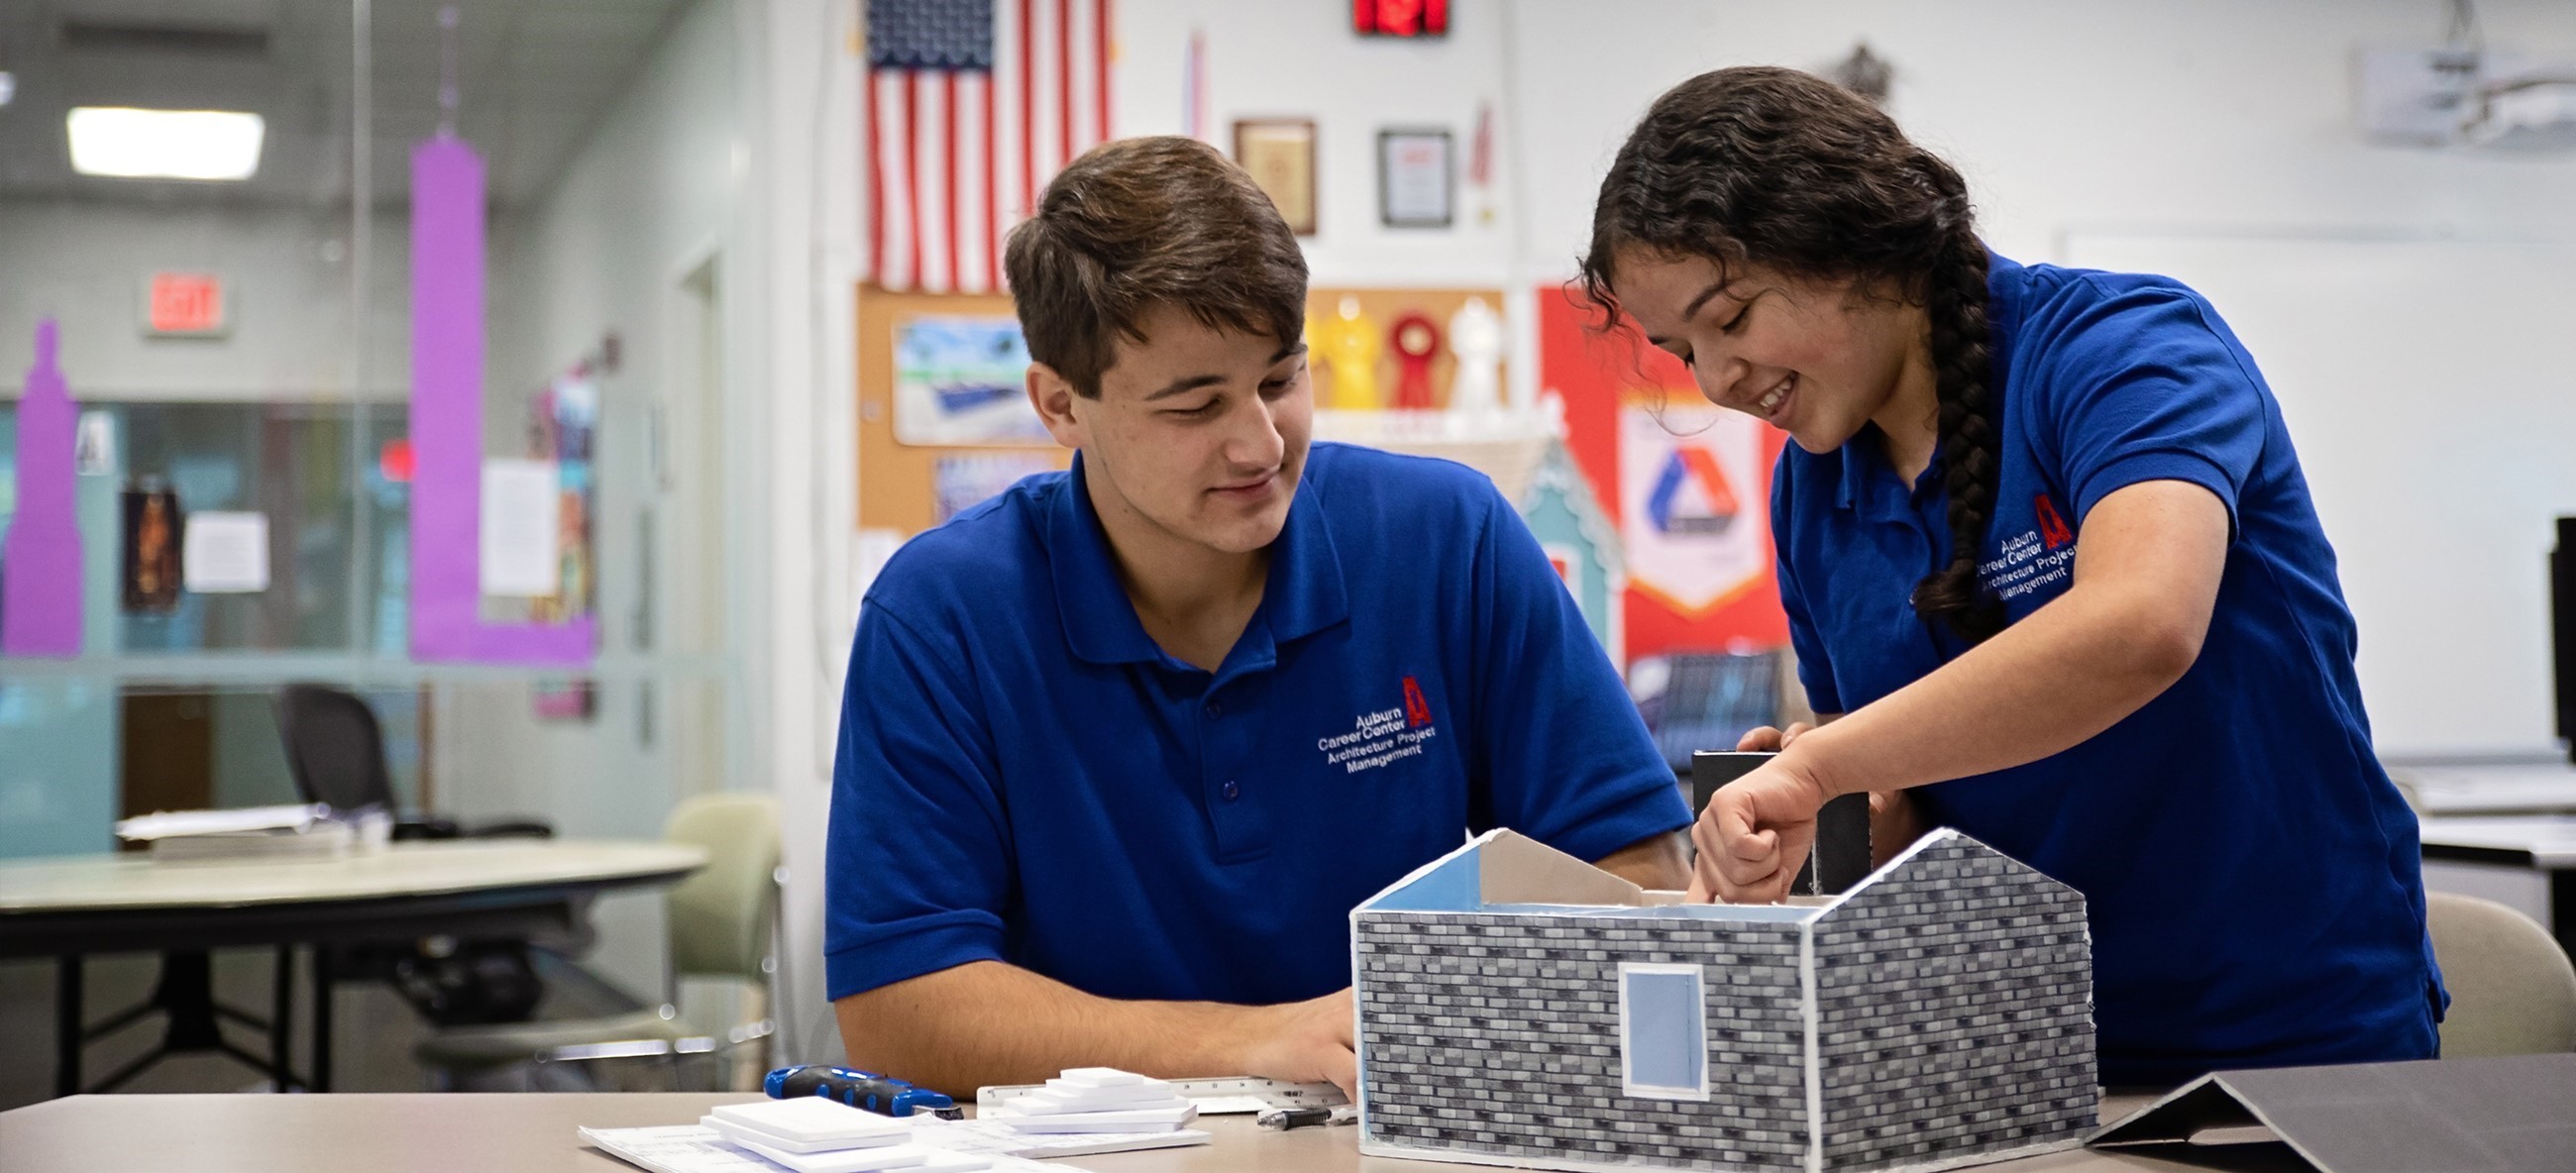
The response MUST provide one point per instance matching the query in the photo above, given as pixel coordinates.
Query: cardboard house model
(1520, 1007)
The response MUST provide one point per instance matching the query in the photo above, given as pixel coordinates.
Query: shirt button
(1232, 792)
(1215, 710)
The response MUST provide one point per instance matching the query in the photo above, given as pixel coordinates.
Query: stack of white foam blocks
(814, 1135)
(1100, 1099)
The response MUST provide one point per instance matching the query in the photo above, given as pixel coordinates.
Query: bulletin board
(1384, 306)
(898, 482)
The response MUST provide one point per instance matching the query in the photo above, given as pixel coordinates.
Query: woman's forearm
(2127, 630)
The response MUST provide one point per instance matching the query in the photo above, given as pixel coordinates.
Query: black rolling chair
(335, 750)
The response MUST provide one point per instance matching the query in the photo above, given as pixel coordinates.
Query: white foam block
(809, 1130)
(813, 1118)
(735, 1134)
(1096, 1077)
(1140, 1120)
(1125, 1093)
(1048, 1103)
(883, 1159)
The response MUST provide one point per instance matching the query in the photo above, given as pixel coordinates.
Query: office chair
(2513, 991)
(336, 752)
(720, 922)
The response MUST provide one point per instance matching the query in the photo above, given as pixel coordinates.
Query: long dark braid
(1791, 172)
(1955, 301)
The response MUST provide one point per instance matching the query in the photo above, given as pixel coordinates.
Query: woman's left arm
(2147, 567)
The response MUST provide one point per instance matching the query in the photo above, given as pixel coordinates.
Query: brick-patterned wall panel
(1955, 1002)
(1499, 1034)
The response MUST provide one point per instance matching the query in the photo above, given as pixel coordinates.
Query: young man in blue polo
(1121, 748)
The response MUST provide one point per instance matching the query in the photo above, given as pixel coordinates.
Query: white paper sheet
(519, 529)
(225, 553)
(995, 1137)
(690, 1148)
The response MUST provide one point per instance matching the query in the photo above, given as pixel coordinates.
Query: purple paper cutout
(447, 429)
(40, 565)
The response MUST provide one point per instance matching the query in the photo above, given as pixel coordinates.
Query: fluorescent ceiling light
(164, 144)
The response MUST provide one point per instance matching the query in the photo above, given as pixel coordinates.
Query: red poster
(1688, 485)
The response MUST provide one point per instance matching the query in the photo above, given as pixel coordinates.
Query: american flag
(972, 105)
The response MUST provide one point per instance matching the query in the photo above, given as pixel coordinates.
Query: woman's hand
(1758, 829)
(1769, 740)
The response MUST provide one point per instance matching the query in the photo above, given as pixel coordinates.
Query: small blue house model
(1519, 1007)
(1580, 539)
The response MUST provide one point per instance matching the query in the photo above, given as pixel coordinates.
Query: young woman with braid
(2052, 574)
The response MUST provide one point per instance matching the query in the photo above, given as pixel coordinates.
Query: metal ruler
(1221, 1096)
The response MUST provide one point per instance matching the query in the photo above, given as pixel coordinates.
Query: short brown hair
(1147, 221)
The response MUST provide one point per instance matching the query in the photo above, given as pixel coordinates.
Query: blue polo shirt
(1024, 776)
(2253, 877)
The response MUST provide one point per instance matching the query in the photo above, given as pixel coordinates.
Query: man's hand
(1302, 1042)
(1757, 830)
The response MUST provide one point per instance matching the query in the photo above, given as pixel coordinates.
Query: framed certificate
(1414, 172)
(1280, 154)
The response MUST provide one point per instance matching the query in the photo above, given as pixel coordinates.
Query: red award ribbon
(1416, 341)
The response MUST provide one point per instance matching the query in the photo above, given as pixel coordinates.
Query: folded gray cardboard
(2515, 1114)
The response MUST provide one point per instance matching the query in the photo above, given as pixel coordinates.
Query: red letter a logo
(2052, 526)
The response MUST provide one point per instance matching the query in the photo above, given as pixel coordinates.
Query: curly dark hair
(1791, 172)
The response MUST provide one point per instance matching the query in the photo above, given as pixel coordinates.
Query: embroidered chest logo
(2033, 559)
(1382, 736)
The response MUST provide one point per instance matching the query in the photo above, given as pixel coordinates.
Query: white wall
(805, 344)
(286, 272)
(2177, 112)
(654, 192)
(1302, 61)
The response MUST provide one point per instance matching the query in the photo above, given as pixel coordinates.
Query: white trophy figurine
(1476, 339)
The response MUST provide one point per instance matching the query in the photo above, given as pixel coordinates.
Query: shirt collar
(1303, 594)
(1855, 474)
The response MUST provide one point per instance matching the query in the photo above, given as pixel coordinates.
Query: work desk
(71, 907)
(433, 1133)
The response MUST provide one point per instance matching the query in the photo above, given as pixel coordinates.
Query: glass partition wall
(245, 479)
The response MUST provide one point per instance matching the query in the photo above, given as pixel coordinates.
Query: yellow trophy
(1351, 344)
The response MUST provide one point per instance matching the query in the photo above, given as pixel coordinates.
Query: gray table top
(2488, 788)
(114, 882)
(2550, 839)
(434, 1133)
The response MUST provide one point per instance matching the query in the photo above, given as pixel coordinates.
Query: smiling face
(1816, 360)
(1196, 441)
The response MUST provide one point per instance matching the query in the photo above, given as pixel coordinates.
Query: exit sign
(187, 305)
(1400, 18)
